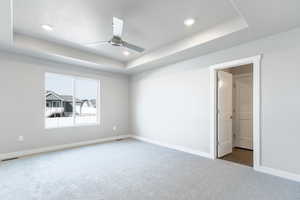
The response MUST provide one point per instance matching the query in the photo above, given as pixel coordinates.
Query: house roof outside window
(50, 95)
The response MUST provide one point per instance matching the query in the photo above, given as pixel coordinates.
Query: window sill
(74, 126)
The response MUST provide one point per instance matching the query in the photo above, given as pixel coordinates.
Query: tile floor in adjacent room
(241, 156)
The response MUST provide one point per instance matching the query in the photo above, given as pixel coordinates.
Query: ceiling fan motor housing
(116, 41)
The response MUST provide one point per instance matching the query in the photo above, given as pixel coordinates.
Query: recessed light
(126, 53)
(47, 27)
(189, 22)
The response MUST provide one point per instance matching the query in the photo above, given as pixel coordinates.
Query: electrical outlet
(20, 138)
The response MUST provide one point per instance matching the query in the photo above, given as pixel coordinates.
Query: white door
(243, 111)
(224, 113)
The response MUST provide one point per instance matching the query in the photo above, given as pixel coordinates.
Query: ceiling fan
(116, 40)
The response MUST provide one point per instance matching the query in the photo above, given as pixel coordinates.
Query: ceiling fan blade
(96, 43)
(117, 27)
(133, 47)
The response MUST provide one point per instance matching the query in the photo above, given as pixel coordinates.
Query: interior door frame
(256, 61)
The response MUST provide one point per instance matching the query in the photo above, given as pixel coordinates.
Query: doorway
(234, 105)
(235, 123)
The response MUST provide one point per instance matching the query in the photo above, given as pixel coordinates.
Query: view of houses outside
(60, 111)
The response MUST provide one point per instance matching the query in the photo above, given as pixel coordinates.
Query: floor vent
(8, 159)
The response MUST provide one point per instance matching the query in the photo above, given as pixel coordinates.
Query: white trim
(256, 105)
(175, 147)
(74, 102)
(279, 173)
(93, 124)
(98, 102)
(60, 147)
(11, 22)
(267, 170)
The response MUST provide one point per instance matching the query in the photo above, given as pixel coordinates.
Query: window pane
(86, 101)
(59, 100)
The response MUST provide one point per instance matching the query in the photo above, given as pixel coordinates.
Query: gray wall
(171, 104)
(22, 105)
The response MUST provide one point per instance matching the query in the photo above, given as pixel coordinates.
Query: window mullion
(74, 101)
(98, 103)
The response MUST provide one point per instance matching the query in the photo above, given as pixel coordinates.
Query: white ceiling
(148, 23)
(153, 24)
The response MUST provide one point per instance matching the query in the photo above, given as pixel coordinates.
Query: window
(70, 101)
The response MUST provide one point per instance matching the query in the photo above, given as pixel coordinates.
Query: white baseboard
(59, 147)
(279, 173)
(263, 169)
(176, 147)
(267, 170)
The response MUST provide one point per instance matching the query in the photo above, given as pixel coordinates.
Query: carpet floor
(133, 170)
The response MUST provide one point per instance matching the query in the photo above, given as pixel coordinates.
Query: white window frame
(74, 78)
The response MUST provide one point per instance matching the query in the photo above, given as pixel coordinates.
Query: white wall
(171, 104)
(22, 105)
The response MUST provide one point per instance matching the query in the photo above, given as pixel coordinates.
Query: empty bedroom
(158, 100)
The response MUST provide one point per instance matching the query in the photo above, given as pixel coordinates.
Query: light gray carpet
(133, 170)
